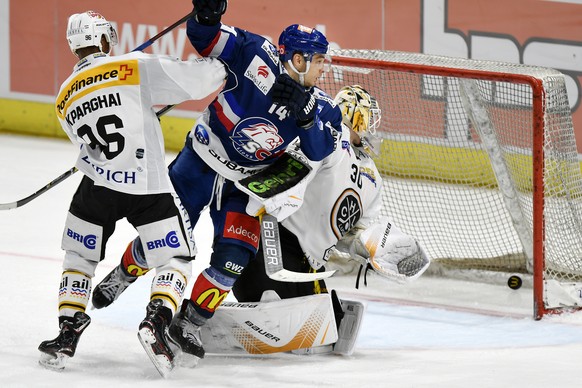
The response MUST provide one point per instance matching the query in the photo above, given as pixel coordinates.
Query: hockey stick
(151, 41)
(273, 255)
(70, 172)
(50, 185)
(57, 180)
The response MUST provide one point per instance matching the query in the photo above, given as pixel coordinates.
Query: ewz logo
(171, 240)
(89, 241)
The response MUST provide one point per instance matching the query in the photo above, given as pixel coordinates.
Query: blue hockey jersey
(242, 130)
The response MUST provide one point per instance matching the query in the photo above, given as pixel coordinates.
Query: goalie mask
(360, 112)
(85, 30)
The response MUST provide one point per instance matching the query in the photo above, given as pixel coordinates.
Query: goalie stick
(287, 171)
(70, 172)
(273, 256)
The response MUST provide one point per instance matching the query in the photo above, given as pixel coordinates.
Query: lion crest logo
(256, 138)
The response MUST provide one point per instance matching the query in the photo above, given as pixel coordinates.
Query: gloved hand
(281, 205)
(209, 12)
(286, 91)
(394, 254)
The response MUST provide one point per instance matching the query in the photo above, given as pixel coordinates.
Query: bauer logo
(171, 241)
(201, 135)
(89, 241)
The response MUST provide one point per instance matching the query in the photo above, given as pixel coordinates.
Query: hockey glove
(281, 205)
(209, 12)
(393, 254)
(286, 91)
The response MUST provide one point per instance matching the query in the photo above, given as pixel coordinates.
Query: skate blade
(181, 359)
(51, 362)
(186, 360)
(162, 363)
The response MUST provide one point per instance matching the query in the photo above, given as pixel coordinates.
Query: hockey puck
(514, 282)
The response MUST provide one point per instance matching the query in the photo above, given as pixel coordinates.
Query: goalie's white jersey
(344, 191)
(107, 107)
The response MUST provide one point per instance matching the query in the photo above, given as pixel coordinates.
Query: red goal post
(480, 164)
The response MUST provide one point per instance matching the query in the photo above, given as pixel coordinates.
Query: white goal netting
(462, 170)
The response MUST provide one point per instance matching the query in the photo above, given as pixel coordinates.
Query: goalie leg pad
(349, 327)
(271, 327)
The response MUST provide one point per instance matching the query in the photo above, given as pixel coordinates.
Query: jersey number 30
(356, 177)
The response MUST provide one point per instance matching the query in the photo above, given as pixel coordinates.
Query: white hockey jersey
(344, 191)
(107, 105)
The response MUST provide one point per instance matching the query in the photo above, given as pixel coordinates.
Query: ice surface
(434, 332)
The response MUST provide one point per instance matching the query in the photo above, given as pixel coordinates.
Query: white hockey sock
(74, 292)
(169, 286)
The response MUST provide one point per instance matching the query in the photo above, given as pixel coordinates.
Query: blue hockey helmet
(305, 40)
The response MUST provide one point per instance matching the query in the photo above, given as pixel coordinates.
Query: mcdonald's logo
(211, 298)
(136, 270)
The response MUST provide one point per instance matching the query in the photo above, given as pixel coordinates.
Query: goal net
(480, 164)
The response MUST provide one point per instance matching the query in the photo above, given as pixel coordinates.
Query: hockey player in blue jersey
(269, 99)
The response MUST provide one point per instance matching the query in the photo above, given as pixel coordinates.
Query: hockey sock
(209, 290)
(169, 286)
(74, 292)
(133, 262)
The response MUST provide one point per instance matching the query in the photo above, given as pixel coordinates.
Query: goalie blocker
(279, 190)
(286, 172)
(306, 325)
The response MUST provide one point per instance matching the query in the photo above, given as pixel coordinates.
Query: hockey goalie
(329, 213)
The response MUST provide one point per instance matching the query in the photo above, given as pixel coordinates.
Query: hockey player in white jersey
(106, 107)
(339, 206)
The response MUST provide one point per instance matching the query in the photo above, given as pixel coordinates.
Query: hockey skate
(186, 336)
(153, 336)
(56, 352)
(109, 289)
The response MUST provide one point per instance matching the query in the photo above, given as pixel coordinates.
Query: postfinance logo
(105, 76)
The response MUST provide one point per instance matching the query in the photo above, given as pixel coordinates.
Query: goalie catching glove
(288, 92)
(390, 252)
